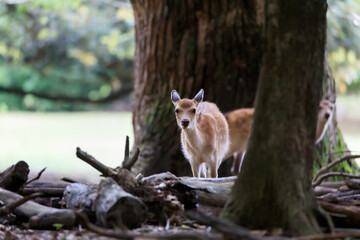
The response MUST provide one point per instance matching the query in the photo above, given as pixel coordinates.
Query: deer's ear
(333, 99)
(199, 97)
(175, 96)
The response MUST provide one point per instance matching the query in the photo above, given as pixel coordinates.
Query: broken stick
(14, 177)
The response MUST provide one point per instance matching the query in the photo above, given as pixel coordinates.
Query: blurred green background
(66, 76)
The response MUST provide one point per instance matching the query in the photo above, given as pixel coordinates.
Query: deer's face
(185, 109)
(326, 111)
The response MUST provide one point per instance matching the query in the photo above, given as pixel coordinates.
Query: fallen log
(113, 207)
(15, 176)
(82, 197)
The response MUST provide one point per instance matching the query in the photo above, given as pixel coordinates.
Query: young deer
(325, 114)
(204, 133)
(240, 122)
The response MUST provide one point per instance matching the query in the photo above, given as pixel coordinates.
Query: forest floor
(50, 140)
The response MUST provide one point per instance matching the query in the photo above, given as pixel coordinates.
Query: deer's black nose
(185, 122)
(327, 115)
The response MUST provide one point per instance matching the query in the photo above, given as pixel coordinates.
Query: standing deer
(204, 133)
(240, 122)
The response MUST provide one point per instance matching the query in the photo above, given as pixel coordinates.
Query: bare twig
(83, 219)
(11, 206)
(331, 165)
(36, 178)
(127, 149)
(333, 174)
(106, 171)
(230, 229)
(69, 180)
(128, 161)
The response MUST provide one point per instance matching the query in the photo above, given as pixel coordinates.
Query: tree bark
(188, 45)
(273, 189)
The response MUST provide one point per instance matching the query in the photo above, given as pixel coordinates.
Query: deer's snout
(185, 122)
(327, 115)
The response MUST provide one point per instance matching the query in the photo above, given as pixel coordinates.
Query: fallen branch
(232, 230)
(40, 216)
(14, 177)
(331, 165)
(333, 174)
(50, 192)
(11, 206)
(120, 235)
(106, 171)
(36, 178)
(319, 190)
(69, 180)
(353, 184)
(122, 176)
(128, 161)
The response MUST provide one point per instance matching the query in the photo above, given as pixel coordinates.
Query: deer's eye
(176, 110)
(194, 110)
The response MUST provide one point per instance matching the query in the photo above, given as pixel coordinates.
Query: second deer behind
(204, 133)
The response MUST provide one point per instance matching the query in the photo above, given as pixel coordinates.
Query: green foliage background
(72, 48)
(343, 39)
(84, 49)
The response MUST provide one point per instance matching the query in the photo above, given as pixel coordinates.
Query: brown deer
(240, 122)
(325, 114)
(204, 133)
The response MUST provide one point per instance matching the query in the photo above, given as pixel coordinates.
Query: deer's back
(240, 122)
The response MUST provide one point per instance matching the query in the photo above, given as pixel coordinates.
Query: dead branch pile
(119, 203)
(124, 206)
(340, 199)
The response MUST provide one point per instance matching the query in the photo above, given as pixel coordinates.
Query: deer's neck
(193, 135)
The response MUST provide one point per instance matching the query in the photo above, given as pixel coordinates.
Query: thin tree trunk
(273, 189)
(188, 45)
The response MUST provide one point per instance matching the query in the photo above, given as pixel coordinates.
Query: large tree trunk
(273, 189)
(188, 45)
